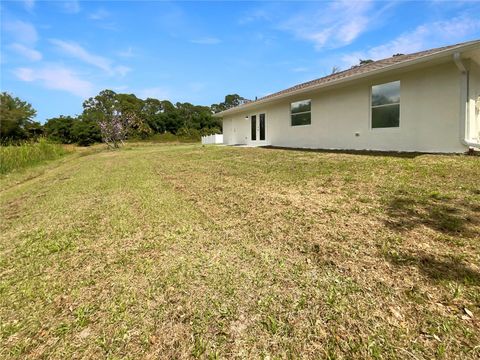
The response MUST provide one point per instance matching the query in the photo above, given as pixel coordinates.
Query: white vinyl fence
(212, 139)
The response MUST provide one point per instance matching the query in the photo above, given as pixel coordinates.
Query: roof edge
(450, 51)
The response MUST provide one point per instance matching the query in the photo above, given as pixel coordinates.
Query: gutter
(464, 102)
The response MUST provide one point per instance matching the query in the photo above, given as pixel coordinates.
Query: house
(427, 101)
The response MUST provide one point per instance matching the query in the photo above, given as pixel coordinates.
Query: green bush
(86, 132)
(189, 133)
(210, 131)
(69, 130)
(60, 129)
(13, 157)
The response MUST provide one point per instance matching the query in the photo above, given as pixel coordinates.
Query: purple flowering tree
(114, 129)
(106, 110)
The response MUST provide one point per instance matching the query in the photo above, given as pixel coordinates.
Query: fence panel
(212, 139)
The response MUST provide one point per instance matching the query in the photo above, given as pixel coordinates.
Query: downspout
(464, 102)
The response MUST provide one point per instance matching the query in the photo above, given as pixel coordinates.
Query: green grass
(185, 251)
(171, 138)
(14, 157)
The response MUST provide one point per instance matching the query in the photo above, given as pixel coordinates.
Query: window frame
(391, 128)
(299, 113)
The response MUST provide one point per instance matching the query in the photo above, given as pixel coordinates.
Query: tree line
(137, 118)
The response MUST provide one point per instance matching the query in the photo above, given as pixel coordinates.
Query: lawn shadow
(448, 216)
(397, 154)
(437, 269)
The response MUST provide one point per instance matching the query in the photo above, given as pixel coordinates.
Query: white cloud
(100, 14)
(71, 6)
(75, 50)
(119, 88)
(29, 53)
(122, 70)
(423, 37)
(255, 15)
(108, 25)
(206, 41)
(128, 53)
(266, 39)
(23, 31)
(29, 5)
(300, 69)
(334, 25)
(57, 78)
(154, 92)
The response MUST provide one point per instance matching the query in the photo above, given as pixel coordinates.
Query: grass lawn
(176, 251)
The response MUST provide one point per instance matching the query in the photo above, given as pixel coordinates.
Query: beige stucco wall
(429, 115)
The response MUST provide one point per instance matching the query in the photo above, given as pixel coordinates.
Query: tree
(86, 131)
(102, 106)
(15, 118)
(59, 129)
(335, 70)
(130, 104)
(34, 130)
(106, 110)
(196, 117)
(81, 130)
(231, 101)
(114, 129)
(366, 61)
(152, 112)
(121, 116)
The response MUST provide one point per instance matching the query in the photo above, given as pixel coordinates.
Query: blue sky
(56, 54)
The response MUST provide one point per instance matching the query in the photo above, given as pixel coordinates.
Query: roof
(356, 72)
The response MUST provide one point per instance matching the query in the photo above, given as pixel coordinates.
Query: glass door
(262, 126)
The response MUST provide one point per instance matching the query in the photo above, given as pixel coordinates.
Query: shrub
(210, 131)
(86, 132)
(189, 133)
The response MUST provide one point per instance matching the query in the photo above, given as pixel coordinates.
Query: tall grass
(13, 157)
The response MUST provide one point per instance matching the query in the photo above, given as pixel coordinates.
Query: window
(253, 119)
(301, 112)
(386, 105)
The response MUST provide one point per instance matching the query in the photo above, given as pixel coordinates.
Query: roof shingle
(360, 69)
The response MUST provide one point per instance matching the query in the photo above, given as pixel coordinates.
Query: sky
(56, 54)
